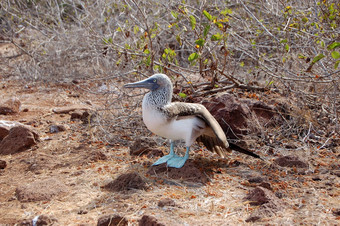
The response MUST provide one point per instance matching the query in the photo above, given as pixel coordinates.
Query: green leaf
(317, 58)
(147, 51)
(300, 56)
(174, 14)
(206, 30)
(200, 42)
(135, 29)
(207, 15)
(242, 64)
(182, 95)
(287, 47)
(178, 38)
(226, 11)
(283, 41)
(192, 22)
(322, 43)
(335, 55)
(336, 64)
(333, 45)
(193, 57)
(216, 37)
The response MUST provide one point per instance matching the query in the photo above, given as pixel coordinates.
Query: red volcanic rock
(19, 138)
(235, 115)
(126, 182)
(10, 106)
(112, 220)
(189, 172)
(290, 161)
(149, 221)
(43, 190)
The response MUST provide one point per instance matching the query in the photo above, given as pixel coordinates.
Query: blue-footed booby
(180, 121)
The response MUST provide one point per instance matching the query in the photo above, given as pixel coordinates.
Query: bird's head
(152, 83)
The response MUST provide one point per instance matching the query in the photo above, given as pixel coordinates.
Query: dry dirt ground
(212, 191)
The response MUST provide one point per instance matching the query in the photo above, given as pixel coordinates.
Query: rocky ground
(61, 177)
(54, 173)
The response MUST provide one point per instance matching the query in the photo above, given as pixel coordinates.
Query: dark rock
(253, 219)
(20, 138)
(43, 190)
(83, 116)
(10, 106)
(42, 220)
(266, 185)
(97, 156)
(231, 114)
(145, 146)
(316, 178)
(76, 115)
(255, 180)
(57, 128)
(166, 202)
(6, 126)
(189, 172)
(257, 197)
(336, 172)
(336, 212)
(268, 203)
(68, 109)
(149, 221)
(290, 161)
(126, 182)
(235, 115)
(266, 114)
(112, 220)
(3, 164)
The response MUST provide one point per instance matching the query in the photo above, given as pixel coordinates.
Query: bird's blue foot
(172, 159)
(164, 159)
(177, 161)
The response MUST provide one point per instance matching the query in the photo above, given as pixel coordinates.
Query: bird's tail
(242, 150)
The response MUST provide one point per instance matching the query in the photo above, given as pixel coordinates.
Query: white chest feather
(174, 129)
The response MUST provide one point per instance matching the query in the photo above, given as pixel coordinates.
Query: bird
(188, 122)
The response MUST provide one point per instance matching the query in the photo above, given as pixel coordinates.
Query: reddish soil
(92, 179)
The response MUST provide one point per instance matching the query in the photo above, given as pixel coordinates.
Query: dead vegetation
(285, 54)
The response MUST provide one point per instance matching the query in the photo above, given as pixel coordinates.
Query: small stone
(255, 180)
(10, 106)
(149, 221)
(336, 212)
(166, 202)
(112, 220)
(68, 109)
(39, 221)
(57, 128)
(266, 185)
(3, 164)
(257, 197)
(126, 182)
(20, 138)
(43, 190)
(290, 161)
(253, 219)
(5, 127)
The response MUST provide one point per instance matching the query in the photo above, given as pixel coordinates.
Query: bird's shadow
(195, 172)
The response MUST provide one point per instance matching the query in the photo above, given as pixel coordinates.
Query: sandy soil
(307, 196)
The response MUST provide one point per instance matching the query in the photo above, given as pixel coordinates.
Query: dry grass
(80, 47)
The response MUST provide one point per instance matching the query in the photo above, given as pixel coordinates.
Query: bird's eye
(155, 80)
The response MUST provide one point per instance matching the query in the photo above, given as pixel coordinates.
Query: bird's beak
(147, 84)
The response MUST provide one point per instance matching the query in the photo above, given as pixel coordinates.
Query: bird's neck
(159, 97)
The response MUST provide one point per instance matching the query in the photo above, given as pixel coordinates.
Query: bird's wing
(217, 143)
(178, 109)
